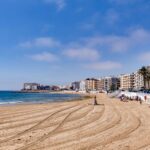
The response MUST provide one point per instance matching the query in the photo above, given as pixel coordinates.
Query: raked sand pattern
(77, 125)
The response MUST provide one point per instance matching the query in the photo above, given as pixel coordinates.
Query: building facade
(82, 86)
(127, 81)
(111, 83)
(31, 86)
(138, 81)
(76, 86)
(101, 84)
(92, 84)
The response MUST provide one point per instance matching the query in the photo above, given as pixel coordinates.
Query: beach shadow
(97, 104)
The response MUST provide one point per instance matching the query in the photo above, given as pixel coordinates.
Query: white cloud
(44, 57)
(107, 65)
(145, 57)
(82, 54)
(59, 3)
(136, 39)
(40, 42)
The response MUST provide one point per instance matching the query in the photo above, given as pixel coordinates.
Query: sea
(13, 97)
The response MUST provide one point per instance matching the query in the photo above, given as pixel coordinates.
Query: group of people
(126, 98)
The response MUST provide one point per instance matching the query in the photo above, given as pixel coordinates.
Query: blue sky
(59, 41)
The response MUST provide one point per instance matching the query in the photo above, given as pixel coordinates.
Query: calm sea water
(9, 97)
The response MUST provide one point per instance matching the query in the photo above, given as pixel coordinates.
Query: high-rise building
(127, 81)
(148, 81)
(111, 83)
(138, 81)
(92, 84)
(101, 84)
(82, 86)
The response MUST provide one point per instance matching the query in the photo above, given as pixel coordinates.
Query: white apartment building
(82, 86)
(31, 86)
(138, 81)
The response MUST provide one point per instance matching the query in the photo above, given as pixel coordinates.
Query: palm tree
(148, 78)
(144, 72)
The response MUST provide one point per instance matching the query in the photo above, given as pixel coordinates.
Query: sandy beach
(111, 125)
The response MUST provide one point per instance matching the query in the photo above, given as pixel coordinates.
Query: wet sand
(77, 125)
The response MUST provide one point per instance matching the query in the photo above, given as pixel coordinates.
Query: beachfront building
(44, 87)
(76, 86)
(148, 81)
(111, 83)
(55, 88)
(127, 81)
(31, 86)
(82, 86)
(66, 87)
(92, 84)
(101, 84)
(138, 81)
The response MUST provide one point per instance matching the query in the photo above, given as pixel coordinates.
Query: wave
(14, 102)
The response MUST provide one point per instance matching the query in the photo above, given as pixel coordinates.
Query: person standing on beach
(140, 101)
(145, 97)
(95, 100)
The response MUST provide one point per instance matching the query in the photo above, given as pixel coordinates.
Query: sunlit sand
(111, 125)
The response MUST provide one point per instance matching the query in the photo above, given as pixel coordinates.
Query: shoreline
(82, 98)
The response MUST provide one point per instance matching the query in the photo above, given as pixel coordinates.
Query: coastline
(81, 98)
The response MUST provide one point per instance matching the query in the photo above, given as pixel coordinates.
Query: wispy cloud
(59, 3)
(44, 57)
(136, 39)
(106, 65)
(40, 42)
(82, 54)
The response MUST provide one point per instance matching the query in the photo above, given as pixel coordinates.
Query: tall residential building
(138, 81)
(82, 86)
(148, 82)
(101, 84)
(76, 85)
(127, 81)
(92, 84)
(111, 83)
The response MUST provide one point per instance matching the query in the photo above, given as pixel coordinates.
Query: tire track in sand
(75, 117)
(89, 133)
(124, 134)
(72, 131)
(35, 126)
(42, 138)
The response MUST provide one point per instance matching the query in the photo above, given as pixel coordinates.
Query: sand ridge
(111, 125)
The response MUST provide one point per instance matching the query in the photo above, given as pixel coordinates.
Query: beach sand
(77, 125)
